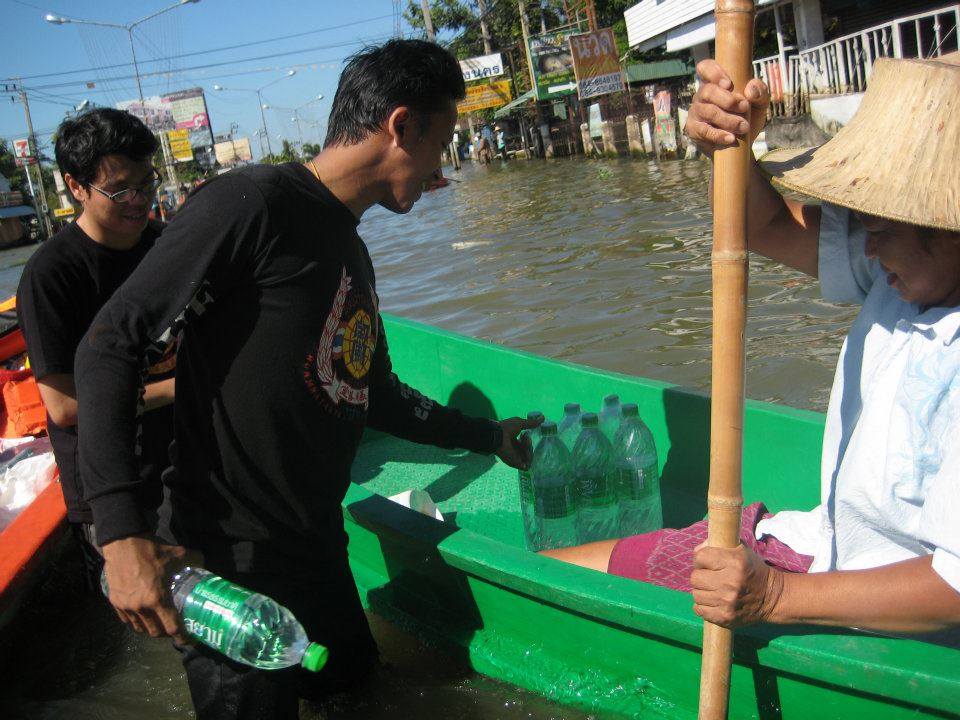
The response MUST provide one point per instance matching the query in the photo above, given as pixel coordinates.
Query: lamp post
(296, 113)
(263, 118)
(59, 20)
(128, 28)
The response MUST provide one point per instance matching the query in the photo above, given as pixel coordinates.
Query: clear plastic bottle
(245, 626)
(569, 426)
(553, 491)
(610, 416)
(638, 477)
(592, 463)
(526, 487)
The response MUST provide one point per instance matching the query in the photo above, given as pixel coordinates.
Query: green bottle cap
(571, 408)
(534, 415)
(631, 410)
(315, 657)
(548, 428)
(611, 400)
(589, 420)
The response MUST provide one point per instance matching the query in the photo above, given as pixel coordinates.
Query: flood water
(605, 263)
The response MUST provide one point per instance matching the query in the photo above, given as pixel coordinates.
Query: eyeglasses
(147, 189)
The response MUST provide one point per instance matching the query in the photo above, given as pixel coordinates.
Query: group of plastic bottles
(593, 477)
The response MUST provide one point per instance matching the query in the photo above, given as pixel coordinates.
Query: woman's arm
(735, 587)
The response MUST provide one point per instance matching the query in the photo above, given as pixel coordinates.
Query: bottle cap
(631, 410)
(571, 408)
(534, 415)
(611, 400)
(315, 657)
(548, 428)
(588, 420)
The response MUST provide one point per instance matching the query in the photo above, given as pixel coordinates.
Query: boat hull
(585, 638)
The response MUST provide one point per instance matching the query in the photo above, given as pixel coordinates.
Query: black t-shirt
(63, 287)
(282, 362)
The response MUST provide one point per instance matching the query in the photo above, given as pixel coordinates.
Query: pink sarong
(665, 557)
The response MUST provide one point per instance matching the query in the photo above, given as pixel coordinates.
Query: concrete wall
(833, 112)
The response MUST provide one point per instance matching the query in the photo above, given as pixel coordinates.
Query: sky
(326, 32)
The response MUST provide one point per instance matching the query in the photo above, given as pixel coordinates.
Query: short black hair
(83, 141)
(415, 73)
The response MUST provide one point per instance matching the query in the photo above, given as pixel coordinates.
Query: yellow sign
(487, 95)
(180, 145)
(596, 64)
(63, 212)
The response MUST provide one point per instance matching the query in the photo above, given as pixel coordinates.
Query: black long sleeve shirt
(282, 362)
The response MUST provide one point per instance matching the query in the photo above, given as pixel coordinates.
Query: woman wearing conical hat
(882, 550)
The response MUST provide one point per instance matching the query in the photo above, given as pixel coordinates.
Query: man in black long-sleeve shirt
(282, 362)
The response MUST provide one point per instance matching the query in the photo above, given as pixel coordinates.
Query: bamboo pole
(731, 171)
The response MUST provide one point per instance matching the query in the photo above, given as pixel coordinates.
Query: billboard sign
(552, 65)
(483, 67)
(180, 145)
(231, 152)
(485, 95)
(21, 148)
(182, 110)
(596, 63)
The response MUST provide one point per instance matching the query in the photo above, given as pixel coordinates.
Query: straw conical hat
(899, 157)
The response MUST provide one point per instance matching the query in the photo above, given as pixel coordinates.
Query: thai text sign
(552, 65)
(486, 95)
(480, 68)
(665, 132)
(182, 110)
(180, 145)
(596, 63)
(231, 152)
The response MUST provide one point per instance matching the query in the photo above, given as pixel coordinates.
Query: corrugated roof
(514, 104)
(643, 72)
(15, 211)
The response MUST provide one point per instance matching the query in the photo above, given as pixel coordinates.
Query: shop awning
(16, 211)
(648, 72)
(515, 104)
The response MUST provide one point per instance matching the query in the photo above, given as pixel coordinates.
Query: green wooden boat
(581, 637)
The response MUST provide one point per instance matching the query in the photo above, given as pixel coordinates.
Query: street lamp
(263, 118)
(60, 20)
(296, 113)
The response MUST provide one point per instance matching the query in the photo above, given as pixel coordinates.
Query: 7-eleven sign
(21, 148)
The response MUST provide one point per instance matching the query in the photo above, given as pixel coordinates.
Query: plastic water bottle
(526, 486)
(592, 463)
(569, 427)
(610, 416)
(244, 625)
(638, 478)
(553, 491)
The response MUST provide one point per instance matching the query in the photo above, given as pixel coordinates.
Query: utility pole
(427, 20)
(42, 201)
(484, 28)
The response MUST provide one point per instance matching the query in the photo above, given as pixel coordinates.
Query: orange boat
(30, 542)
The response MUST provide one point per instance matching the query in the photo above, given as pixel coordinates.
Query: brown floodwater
(605, 263)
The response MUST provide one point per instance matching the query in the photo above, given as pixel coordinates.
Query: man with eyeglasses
(105, 156)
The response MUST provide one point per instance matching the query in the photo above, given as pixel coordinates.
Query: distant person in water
(882, 551)
(284, 362)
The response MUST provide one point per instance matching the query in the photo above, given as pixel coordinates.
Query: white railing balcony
(844, 65)
(782, 77)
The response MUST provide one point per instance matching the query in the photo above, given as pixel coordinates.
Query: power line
(207, 52)
(217, 64)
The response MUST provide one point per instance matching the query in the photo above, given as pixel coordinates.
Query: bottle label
(212, 608)
(595, 490)
(553, 501)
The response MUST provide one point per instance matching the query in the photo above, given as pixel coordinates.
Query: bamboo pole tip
(734, 6)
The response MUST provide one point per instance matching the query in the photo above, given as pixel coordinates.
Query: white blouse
(890, 471)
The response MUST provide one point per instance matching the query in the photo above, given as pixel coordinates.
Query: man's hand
(513, 451)
(138, 570)
(718, 113)
(734, 587)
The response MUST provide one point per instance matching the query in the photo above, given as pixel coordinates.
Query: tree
(10, 170)
(311, 149)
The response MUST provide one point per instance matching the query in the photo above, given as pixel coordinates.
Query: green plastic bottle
(244, 625)
(569, 427)
(597, 516)
(637, 473)
(554, 492)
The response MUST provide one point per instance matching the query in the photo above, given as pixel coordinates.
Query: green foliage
(311, 150)
(9, 169)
